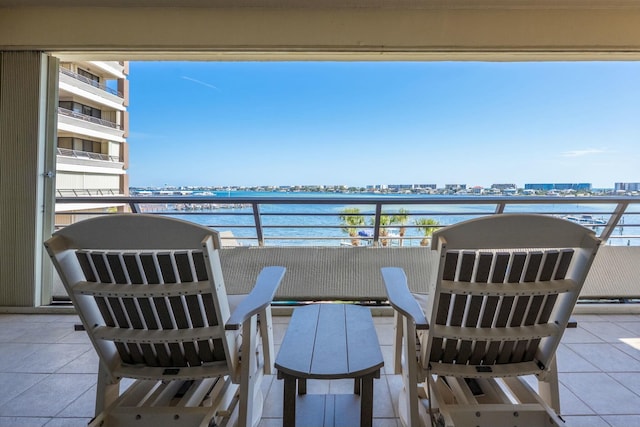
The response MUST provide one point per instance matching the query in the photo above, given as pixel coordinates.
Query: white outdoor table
(329, 341)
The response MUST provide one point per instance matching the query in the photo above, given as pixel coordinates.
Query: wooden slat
(466, 266)
(180, 305)
(519, 311)
(296, 351)
(117, 269)
(459, 306)
(331, 341)
(563, 264)
(495, 334)
(484, 267)
(157, 335)
(479, 350)
(450, 350)
(200, 266)
(166, 268)
(509, 289)
(492, 352)
(436, 349)
(183, 267)
(133, 269)
(100, 265)
(550, 259)
(450, 265)
(534, 310)
(500, 267)
(533, 267)
(141, 290)
(506, 304)
(505, 352)
(363, 347)
(149, 268)
(442, 312)
(85, 265)
(196, 308)
(549, 304)
(516, 268)
(130, 305)
(519, 351)
(464, 352)
(454, 349)
(489, 312)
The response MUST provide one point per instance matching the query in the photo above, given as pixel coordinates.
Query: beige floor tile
(606, 357)
(603, 394)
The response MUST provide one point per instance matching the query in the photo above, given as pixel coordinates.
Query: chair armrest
(259, 298)
(395, 282)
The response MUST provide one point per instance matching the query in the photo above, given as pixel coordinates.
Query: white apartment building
(91, 152)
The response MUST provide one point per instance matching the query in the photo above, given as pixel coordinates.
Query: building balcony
(599, 361)
(82, 124)
(85, 155)
(74, 84)
(90, 82)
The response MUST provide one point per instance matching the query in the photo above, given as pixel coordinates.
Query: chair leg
(251, 401)
(549, 388)
(266, 333)
(107, 391)
(397, 356)
(409, 400)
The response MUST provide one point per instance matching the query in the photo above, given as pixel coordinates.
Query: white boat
(586, 220)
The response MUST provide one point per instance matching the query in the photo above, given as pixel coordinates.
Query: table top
(330, 341)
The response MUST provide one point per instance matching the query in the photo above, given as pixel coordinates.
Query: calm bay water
(239, 220)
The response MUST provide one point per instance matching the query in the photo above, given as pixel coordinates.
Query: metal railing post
(258, 222)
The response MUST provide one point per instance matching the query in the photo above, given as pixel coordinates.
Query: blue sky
(273, 123)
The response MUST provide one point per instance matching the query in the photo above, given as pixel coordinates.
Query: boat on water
(586, 220)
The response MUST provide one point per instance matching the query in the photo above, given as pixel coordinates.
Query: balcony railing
(321, 221)
(77, 192)
(86, 155)
(87, 118)
(91, 82)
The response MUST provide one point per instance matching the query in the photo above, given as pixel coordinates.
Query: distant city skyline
(358, 124)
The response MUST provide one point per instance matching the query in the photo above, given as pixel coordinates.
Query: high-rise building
(627, 186)
(91, 156)
(582, 186)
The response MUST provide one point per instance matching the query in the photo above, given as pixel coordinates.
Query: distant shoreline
(341, 190)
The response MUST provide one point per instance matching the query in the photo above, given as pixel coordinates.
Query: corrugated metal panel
(20, 134)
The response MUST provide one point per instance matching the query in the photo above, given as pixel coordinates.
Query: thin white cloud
(201, 83)
(580, 153)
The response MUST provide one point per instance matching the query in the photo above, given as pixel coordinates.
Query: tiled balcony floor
(47, 373)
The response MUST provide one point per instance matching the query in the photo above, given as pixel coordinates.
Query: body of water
(305, 224)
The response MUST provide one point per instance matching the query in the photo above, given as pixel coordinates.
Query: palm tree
(351, 220)
(384, 221)
(402, 217)
(427, 226)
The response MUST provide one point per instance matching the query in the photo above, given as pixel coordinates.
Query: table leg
(289, 404)
(302, 386)
(366, 401)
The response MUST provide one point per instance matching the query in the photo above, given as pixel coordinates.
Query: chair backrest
(505, 289)
(150, 293)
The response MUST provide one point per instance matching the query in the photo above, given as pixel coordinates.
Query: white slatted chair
(151, 296)
(494, 312)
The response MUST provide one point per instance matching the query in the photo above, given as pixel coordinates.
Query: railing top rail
(366, 200)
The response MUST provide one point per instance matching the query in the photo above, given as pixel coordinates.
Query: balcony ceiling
(320, 4)
(371, 30)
